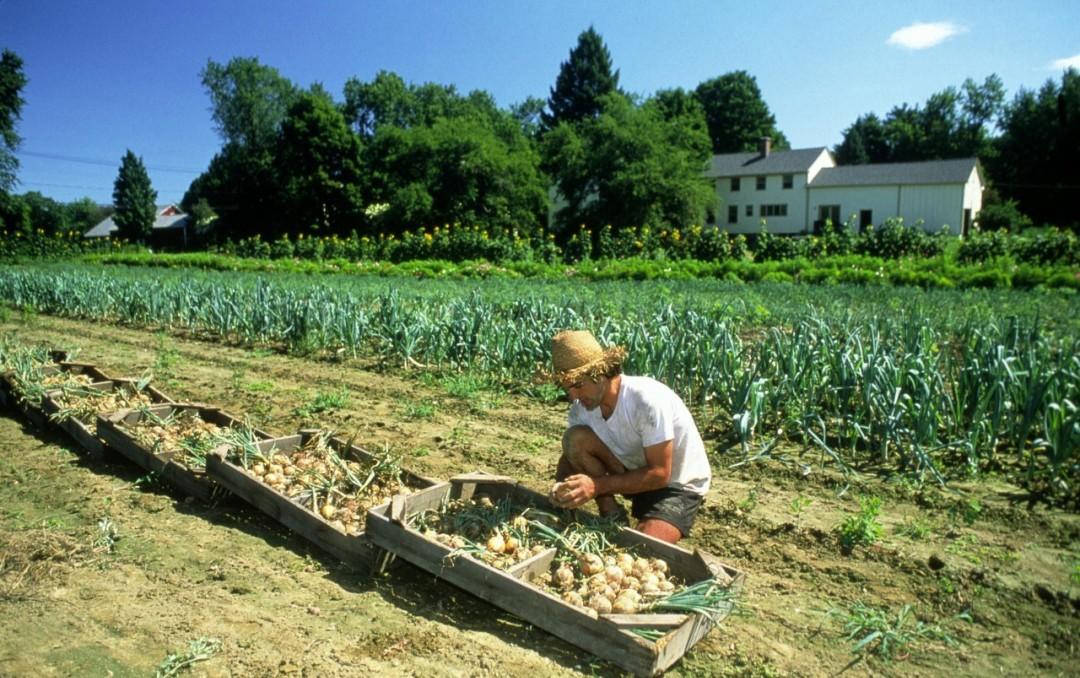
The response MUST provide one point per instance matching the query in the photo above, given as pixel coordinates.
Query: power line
(101, 163)
(86, 188)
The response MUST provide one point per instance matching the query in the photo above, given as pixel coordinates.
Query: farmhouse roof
(776, 162)
(931, 172)
(168, 217)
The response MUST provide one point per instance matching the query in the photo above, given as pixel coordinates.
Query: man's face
(586, 391)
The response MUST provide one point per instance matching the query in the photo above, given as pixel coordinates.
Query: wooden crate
(352, 549)
(79, 431)
(194, 482)
(609, 636)
(7, 396)
(34, 412)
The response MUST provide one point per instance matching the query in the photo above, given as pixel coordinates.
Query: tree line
(388, 156)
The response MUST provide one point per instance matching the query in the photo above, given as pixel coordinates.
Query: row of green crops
(938, 383)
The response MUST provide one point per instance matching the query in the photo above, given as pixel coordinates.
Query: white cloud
(923, 35)
(1067, 62)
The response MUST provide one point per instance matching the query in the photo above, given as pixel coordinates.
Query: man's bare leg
(584, 452)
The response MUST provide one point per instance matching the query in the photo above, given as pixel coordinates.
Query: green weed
(425, 409)
(198, 650)
(862, 528)
(798, 506)
(167, 356)
(107, 535)
(915, 529)
(878, 632)
(324, 401)
(463, 385)
(259, 386)
(421, 452)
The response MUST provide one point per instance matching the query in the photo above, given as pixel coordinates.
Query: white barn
(793, 191)
(168, 219)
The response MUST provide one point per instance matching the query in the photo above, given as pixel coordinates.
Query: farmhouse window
(732, 214)
(830, 213)
(789, 180)
(749, 210)
(761, 183)
(734, 184)
(866, 219)
(774, 210)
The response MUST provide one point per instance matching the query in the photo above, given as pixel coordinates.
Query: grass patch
(324, 401)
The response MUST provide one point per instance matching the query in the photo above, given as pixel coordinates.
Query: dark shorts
(669, 504)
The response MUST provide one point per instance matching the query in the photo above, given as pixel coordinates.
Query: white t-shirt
(646, 413)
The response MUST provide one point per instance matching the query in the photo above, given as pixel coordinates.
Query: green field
(934, 384)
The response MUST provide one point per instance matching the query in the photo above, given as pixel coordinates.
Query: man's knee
(578, 439)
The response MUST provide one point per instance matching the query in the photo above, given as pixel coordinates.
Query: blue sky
(110, 75)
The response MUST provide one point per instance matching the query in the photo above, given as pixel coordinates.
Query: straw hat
(576, 354)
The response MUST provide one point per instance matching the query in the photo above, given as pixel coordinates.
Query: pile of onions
(613, 584)
(336, 499)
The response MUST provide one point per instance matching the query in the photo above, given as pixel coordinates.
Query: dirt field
(995, 585)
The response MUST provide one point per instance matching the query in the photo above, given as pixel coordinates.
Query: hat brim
(612, 356)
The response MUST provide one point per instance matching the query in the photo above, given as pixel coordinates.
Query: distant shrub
(1005, 217)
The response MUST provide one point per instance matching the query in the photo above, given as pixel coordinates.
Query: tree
(468, 169)
(953, 123)
(737, 115)
(134, 199)
(318, 167)
(583, 80)
(12, 82)
(529, 114)
(83, 214)
(630, 167)
(248, 100)
(1036, 153)
(864, 141)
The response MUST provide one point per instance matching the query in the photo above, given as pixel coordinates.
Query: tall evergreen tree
(12, 82)
(736, 114)
(134, 199)
(583, 80)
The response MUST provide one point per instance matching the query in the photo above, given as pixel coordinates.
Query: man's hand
(573, 492)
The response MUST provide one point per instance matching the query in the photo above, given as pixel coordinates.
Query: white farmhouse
(793, 191)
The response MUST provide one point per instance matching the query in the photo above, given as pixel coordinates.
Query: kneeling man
(626, 435)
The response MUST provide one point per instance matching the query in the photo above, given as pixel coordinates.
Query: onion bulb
(641, 568)
(599, 603)
(624, 605)
(625, 561)
(496, 544)
(564, 576)
(510, 545)
(328, 511)
(573, 598)
(614, 575)
(659, 566)
(591, 564)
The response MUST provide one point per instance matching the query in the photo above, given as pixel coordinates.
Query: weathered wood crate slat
(354, 549)
(166, 463)
(608, 636)
(79, 431)
(33, 412)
